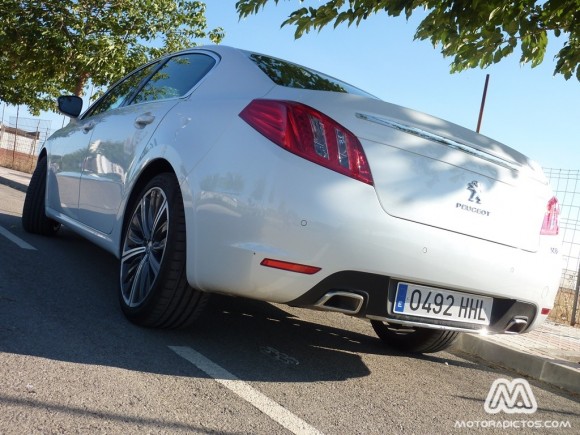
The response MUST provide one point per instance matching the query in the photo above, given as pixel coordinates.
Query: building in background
(20, 140)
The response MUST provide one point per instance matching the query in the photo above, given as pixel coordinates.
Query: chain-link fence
(566, 185)
(19, 142)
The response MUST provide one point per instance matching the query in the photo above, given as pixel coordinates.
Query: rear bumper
(377, 295)
(368, 253)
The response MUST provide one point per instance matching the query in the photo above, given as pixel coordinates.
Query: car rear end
(335, 200)
(468, 237)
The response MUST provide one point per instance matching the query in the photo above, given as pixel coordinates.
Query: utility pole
(482, 103)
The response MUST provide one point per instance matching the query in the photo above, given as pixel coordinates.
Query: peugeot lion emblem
(475, 190)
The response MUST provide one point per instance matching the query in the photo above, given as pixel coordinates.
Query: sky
(527, 109)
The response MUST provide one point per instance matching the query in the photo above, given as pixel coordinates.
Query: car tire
(154, 291)
(414, 340)
(34, 219)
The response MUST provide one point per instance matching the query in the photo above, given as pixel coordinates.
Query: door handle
(144, 120)
(88, 127)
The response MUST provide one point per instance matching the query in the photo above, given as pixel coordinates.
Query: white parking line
(272, 409)
(16, 239)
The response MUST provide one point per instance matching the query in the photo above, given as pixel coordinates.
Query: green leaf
(65, 43)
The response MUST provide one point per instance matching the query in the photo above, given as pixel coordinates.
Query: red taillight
(550, 225)
(292, 267)
(310, 134)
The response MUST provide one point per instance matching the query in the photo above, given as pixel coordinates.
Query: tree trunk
(81, 82)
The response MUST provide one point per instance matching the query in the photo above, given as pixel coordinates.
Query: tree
(57, 46)
(475, 32)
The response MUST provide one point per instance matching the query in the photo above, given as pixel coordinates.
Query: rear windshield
(289, 74)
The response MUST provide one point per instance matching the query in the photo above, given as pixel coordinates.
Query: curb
(555, 372)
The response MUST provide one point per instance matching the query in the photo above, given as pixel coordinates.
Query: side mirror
(70, 105)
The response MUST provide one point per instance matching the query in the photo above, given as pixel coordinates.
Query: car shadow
(60, 302)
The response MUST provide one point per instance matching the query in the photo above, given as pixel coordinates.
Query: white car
(221, 170)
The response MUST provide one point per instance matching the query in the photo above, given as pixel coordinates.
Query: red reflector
(550, 225)
(310, 134)
(546, 311)
(292, 267)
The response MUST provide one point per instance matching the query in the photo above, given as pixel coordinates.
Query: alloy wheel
(144, 247)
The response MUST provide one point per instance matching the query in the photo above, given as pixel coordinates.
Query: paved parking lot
(71, 363)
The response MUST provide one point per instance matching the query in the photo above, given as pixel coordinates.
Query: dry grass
(562, 311)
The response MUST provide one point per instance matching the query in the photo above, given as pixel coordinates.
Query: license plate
(434, 303)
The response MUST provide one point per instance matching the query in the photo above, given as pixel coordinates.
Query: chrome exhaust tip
(341, 302)
(516, 325)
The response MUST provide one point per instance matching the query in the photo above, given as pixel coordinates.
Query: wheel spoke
(137, 285)
(143, 217)
(154, 265)
(160, 221)
(135, 232)
(130, 253)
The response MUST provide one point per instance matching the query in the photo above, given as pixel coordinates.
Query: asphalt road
(71, 363)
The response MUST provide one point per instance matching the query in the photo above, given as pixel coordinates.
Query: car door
(68, 147)
(67, 150)
(121, 135)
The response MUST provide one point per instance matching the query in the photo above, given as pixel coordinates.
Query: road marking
(272, 409)
(15, 239)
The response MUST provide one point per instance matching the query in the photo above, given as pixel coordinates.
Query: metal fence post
(15, 137)
(575, 304)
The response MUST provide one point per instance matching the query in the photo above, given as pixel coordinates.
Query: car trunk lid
(436, 173)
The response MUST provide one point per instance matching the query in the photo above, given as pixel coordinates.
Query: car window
(175, 78)
(121, 92)
(291, 75)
